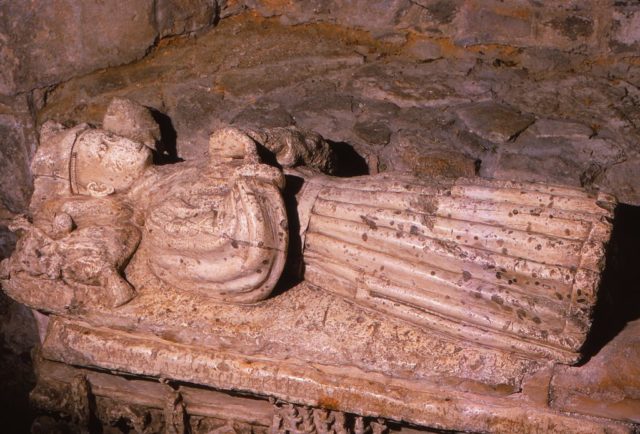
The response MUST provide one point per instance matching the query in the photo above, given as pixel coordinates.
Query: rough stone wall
(47, 42)
(593, 27)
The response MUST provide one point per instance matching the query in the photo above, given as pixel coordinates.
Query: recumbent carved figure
(510, 265)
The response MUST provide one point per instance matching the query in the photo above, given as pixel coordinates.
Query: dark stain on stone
(497, 299)
(573, 27)
(443, 11)
(369, 222)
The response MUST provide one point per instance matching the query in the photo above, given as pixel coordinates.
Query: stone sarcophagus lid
(444, 303)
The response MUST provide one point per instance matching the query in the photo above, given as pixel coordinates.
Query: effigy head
(102, 163)
(86, 161)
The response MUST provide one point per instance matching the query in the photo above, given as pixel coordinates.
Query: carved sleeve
(225, 239)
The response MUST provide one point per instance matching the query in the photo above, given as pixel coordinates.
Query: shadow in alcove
(267, 157)
(18, 334)
(346, 160)
(293, 269)
(166, 149)
(619, 293)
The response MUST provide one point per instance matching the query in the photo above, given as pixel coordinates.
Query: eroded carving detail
(489, 281)
(297, 419)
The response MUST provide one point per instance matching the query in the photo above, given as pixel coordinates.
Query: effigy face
(419, 300)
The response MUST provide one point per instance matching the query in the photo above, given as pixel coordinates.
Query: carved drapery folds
(512, 265)
(441, 302)
(226, 240)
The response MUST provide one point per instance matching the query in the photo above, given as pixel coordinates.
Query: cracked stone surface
(493, 122)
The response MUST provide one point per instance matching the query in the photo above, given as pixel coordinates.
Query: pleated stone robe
(509, 265)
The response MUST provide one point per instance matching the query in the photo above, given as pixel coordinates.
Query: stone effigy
(452, 294)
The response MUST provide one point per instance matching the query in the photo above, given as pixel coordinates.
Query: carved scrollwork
(298, 419)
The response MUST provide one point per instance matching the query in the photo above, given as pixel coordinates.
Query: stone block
(518, 167)
(424, 49)
(263, 114)
(433, 17)
(558, 152)
(573, 27)
(440, 163)
(45, 42)
(545, 128)
(176, 17)
(374, 15)
(493, 121)
(622, 181)
(608, 385)
(373, 133)
(441, 11)
(626, 29)
(493, 22)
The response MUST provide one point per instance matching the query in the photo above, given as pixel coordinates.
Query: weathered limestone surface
(493, 110)
(177, 17)
(625, 28)
(17, 146)
(48, 42)
(510, 247)
(404, 314)
(586, 389)
(133, 121)
(417, 402)
(591, 27)
(530, 91)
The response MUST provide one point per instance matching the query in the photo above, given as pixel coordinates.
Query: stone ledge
(344, 389)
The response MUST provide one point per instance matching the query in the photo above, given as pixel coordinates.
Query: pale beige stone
(129, 119)
(425, 301)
